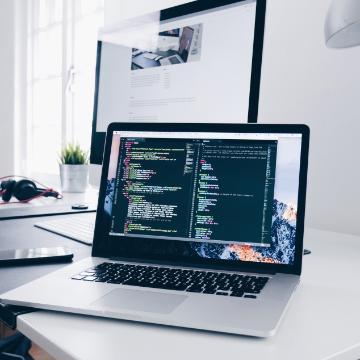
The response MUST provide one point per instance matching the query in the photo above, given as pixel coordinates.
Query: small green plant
(73, 155)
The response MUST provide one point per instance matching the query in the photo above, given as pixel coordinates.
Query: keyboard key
(86, 273)
(237, 293)
(222, 293)
(196, 281)
(113, 281)
(211, 291)
(250, 296)
(194, 289)
(77, 277)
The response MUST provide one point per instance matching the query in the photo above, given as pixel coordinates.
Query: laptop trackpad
(139, 300)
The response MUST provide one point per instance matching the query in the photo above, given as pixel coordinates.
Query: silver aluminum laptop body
(171, 59)
(258, 315)
(184, 48)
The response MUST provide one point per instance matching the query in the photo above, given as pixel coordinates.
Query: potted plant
(74, 168)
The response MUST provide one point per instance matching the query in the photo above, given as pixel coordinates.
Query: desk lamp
(342, 25)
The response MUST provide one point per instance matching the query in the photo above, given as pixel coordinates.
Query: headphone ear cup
(24, 190)
(8, 187)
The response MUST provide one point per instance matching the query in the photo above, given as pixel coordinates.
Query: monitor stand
(95, 175)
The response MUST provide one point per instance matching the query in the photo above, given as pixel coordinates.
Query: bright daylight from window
(62, 40)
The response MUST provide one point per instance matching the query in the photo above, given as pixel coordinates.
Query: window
(62, 40)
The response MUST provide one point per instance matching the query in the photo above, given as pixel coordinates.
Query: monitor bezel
(105, 245)
(98, 138)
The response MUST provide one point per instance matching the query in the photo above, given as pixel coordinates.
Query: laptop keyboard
(174, 60)
(206, 282)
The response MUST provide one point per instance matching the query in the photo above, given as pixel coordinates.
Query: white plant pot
(74, 178)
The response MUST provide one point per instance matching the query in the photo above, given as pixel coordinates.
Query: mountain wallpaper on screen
(282, 247)
(281, 251)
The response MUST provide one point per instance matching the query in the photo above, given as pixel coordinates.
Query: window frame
(71, 15)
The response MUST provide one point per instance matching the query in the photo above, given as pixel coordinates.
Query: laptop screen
(219, 196)
(185, 42)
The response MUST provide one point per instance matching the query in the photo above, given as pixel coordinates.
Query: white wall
(116, 10)
(304, 82)
(7, 84)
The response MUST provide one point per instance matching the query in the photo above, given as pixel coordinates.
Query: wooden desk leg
(39, 354)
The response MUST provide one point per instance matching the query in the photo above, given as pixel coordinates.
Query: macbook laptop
(184, 48)
(198, 226)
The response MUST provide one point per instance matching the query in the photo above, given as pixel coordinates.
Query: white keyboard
(78, 227)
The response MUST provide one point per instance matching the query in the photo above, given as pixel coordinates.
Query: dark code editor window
(195, 189)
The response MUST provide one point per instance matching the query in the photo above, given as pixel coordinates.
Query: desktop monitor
(193, 63)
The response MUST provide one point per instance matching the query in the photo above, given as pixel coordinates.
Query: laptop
(197, 226)
(184, 48)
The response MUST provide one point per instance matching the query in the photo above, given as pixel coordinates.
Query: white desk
(322, 322)
(42, 205)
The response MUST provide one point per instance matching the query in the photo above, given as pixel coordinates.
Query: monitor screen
(219, 196)
(195, 63)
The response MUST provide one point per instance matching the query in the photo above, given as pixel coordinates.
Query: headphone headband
(24, 190)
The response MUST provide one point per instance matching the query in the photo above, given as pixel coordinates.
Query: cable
(46, 190)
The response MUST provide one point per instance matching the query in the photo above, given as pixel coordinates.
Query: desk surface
(42, 206)
(322, 322)
(21, 233)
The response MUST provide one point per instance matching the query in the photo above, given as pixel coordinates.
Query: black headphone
(24, 190)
